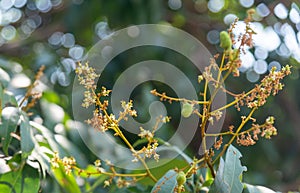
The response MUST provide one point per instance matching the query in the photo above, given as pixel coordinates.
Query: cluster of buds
(270, 85)
(127, 110)
(67, 162)
(266, 130)
(149, 150)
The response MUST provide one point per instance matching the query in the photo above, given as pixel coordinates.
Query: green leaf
(228, 175)
(21, 181)
(9, 98)
(48, 135)
(1, 100)
(9, 122)
(256, 189)
(4, 78)
(39, 153)
(27, 142)
(67, 182)
(51, 97)
(15, 162)
(166, 184)
(207, 183)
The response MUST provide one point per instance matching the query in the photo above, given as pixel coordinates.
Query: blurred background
(58, 33)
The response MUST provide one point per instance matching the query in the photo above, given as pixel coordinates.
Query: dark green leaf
(228, 175)
(21, 181)
(166, 184)
(9, 122)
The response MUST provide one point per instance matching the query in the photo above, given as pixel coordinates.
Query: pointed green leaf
(9, 122)
(22, 181)
(228, 175)
(4, 78)
(27, 138)
(166, 184)
(48, 135)
(219, 185)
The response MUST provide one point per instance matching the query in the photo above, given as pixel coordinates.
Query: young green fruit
(187, 110)
(225, 41)
(181, 179)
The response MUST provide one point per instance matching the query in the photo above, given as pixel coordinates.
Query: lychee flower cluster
(266, 130)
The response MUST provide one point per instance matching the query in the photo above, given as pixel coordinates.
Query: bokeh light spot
(281, 11)
(8, 32)
(213, 36)
(133, 31)
(247, 61)
(263, 10)
(43, 5)
(55, 38)
(68, 40)
(260, 53)
(20, 3)
(260, 66)
(102, 30)
(76, 52)
(229, 19)
(175, 4)
(274, 64)
(215, 5)
(294, 16)
(6, 4)
(246, 3)
(252, 76)
(283, 51)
